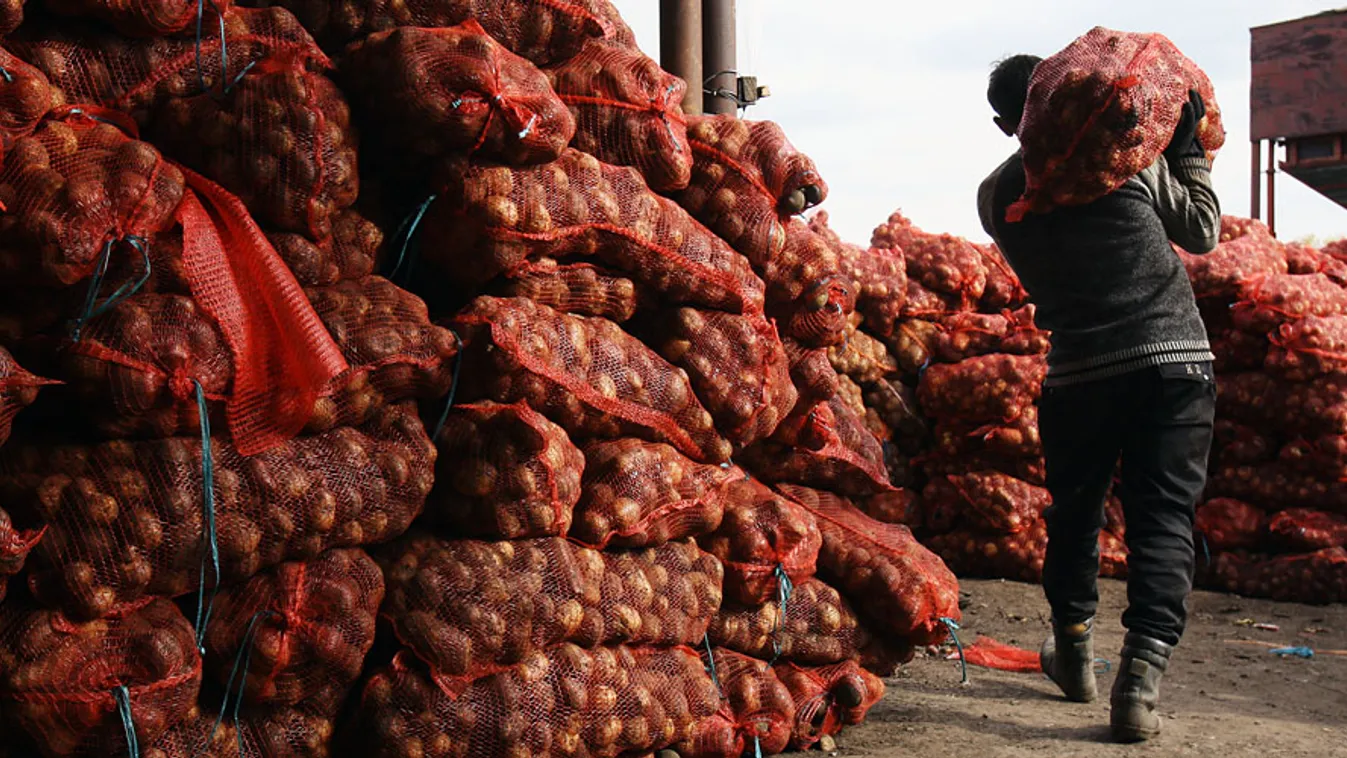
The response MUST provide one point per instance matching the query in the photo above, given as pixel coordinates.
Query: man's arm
(1186, 202)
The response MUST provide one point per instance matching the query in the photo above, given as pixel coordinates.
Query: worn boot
(1068, 659)
(1136, 691)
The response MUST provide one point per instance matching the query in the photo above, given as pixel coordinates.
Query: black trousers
(1158, 423)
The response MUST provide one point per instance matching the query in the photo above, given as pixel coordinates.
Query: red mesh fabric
(280, 139)
(1112, 556)
(880, 277)
(74, 186)
(264, 732)
(762, 536)
(902, 588)
(737, 366)
(434, 93)
(969, 335)
(900, 506)
(585, 374)
(747, 180)
(352, 252)
(1273, 301)
(303, 628)
(470, 608)
(1031, 470)
(824, 445)
(579, 288)
(141, 18)
(493, 218)
(1275, 485)
(1311, 347)
(987, 501)
(1247, 251)
(504, 472)
(1101, 111)
(942, 263)
(1312, 409)
(811, 372)
(1018, 557)
(852, 396)
(1016, 439)
(989, 653)
(125, 519)
(896, 405)
(827, 698)
(862, 357)
(1237, 444)
(912, 344)
(604, 703)
(11, 15)
(59, 675)
(1302, 530)
(543, 31)
(15, 544)
(1239, 351)
(628, 112)
(988, 389)
(1325, 457)
(25, 97)
(1319, 577)
(757, 713)
(806, 290)
(18, 390)
(643, 494)
(817, 626)
(1004, 289)
(1115, 521)
(928, 304)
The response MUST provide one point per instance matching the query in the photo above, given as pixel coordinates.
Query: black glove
(1185, 143)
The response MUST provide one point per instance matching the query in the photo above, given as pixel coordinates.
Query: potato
(824, 445)
(353, 250)
(1247, 251)
(762, 536)
(1267, 303)
(833, 696)
(818, 627)
(985, 389)
(579, 288)
(1017, 557)
(985, 501)
(1318, 577)
(758, 713)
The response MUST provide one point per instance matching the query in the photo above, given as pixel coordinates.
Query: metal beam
(680, 47)
(719, 55)
(1272, 186)
(1256, 188)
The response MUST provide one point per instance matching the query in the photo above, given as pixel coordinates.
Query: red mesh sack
(127, 519)
(352, 252)
(18, 390)
(969, 335)
(1320, 456)
(815, 626)
(852, 396)
(757, 713)
(1031, 470)
(1311, 347)
(628, 112)
(302, 628)
(75, 189)
(1270, 302)
(806, 290)
(737, 366)
(504, 472)
(1018, 557)
(63, 682)
(1317, 578)
(878, 275)
(762, 538)
(1276, 485)
(1302, 530)
(15, 544)
(142, 18)
(942, 263)
(811, 372)
(827, 698)
(11, 15)
(1101, 111)
(543, 31)
(263, 732)
(896, 405)
(1237, 444)
(862, 357)
(1247, 251)
(585, 374)
(1015, 439)
(747, 180)
(1230, 524)
(824, 445)
(928, 304)
(644, 494)
(989, 388)
(904, 589)
(1112, 556)
(1310, 409)
(900, 506)
(1115, 521)
(1236, 350)
(469, 608)
(912, 344)
(493, 218)
(606, 702)
(987, 501)
(433, 93)
(1004, 289)
(25, 96)
(579, 288)
(280, 139)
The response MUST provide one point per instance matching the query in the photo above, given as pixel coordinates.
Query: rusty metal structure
(1298, 100)
(697, 43)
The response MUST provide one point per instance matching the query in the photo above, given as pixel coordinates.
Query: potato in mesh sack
(827, 698)
(628, 112)
(1315, 578)
(15, 544)
(585, 374)
(862, 357)
(352, 252)
(912, 344)
(814, 626)
(900, 587)
(747, 180)
(75, 189)
(1031, 470)
(503, 472)
(18, 390)
(1280, 484)
(1313, 409)
(896, 405)
(25, 96)
(468, 608)
(280, 138)
(127, 519)
(260, 732)
(579, 288)
(63, 682)
(852, 396)
(1268, 303)
(491, 219)
(142, 18)
(304, 629)
(987, 501)
(901, 506)
(737, 366)
(1309, 348)
(1247, 251)
(881, 283)
(1239, 445)
(825, 445)
(425, 95)
(969, 335)
(988, 388)
(1017, 557)
(1237, 351)
(1102, 110)
(1003, 290)
(811, 372)
(1015, 439)
(764, 542)
(604, 703)
(1227, 524)
(942, 263)
(11, 15)
(806, 290)
(643, 494)
(756, 715)
(1303, 530)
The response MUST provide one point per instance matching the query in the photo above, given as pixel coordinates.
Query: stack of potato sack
(1275, 525)
(236, 410)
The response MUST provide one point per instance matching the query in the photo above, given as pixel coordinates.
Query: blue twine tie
(711, 664)
(757, 747)
(92, 309)
(224, 45)
(407, 231)
(211, 556)
(953, 627)
(123, 697)
(784, 589)
(4, 74)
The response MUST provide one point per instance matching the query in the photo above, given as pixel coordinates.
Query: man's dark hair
(1008, 86)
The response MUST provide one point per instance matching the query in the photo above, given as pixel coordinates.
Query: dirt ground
(1221, 697)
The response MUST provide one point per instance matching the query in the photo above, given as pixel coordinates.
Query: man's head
(1007, 89)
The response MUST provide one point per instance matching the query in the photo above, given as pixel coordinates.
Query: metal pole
(1256, 188)
(718, 55)
(1272, 187)
(680, 47)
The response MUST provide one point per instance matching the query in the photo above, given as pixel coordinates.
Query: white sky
(888, 96)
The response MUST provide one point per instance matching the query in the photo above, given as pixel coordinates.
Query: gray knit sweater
(1103, 275)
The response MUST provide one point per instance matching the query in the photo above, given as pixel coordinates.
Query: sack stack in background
(441, 390)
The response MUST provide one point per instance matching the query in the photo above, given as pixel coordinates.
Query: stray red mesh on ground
(814, 626)
(988, 653)
(762, 537)
(827, 698)
(757, 713)
(579, 288)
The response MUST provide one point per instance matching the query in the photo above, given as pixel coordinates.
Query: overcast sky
(888, 96)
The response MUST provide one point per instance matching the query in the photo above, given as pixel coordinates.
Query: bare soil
(1225, 693)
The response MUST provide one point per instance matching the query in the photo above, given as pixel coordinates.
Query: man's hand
(1185, 143)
